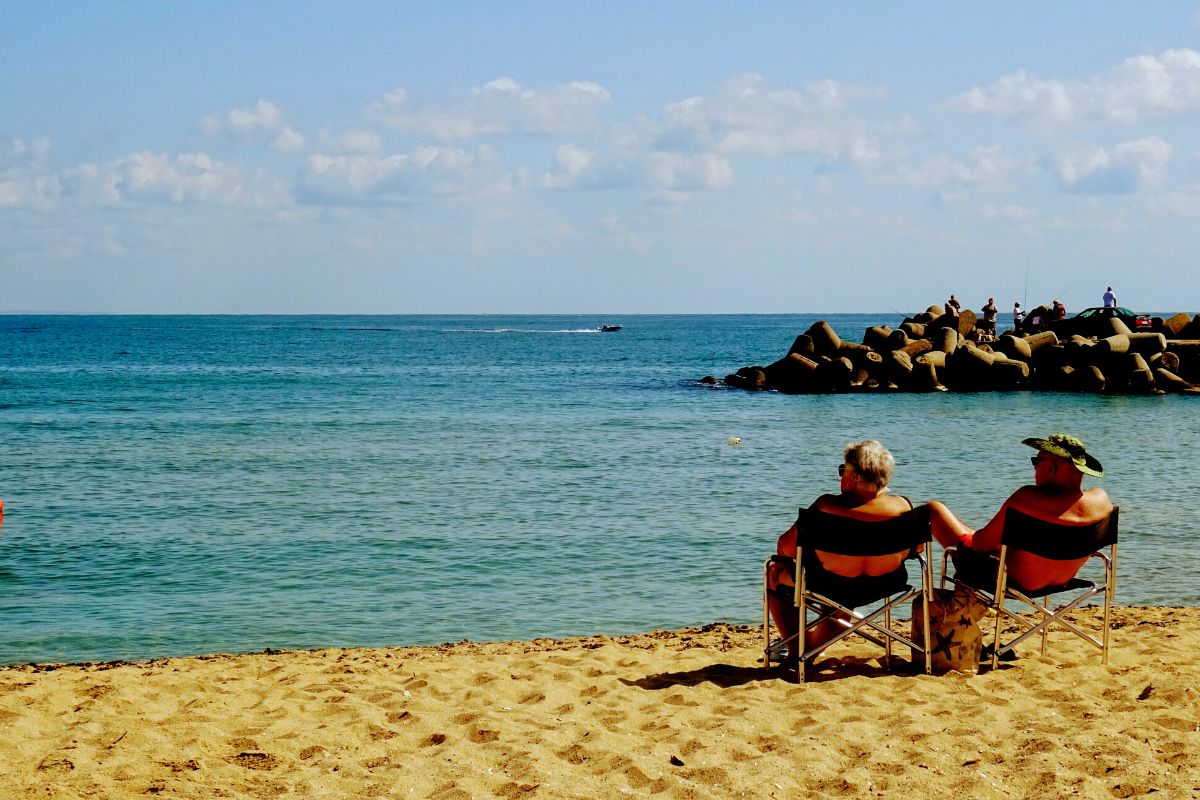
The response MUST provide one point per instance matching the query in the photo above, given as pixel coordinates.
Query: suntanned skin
(858, 500)
(1055, 496)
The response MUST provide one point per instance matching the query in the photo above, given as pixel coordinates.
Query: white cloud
(264, 118)
(1163, 85)
(1019, 94)
(425, 172)
(1123, 169)
(90, 184)
(578, 168)
(288, 140)
(187, 178)
(748, 116)
(683, 173)
(985, 167)
(500, 107)
(393, 99)
(1009, 212)
(34, 151)
(351, 141)
(26, 177)
(570, 162)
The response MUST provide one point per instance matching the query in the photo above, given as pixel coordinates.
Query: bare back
(1049, 505)
(880, 507)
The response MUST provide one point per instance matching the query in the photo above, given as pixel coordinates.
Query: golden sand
(684, 714)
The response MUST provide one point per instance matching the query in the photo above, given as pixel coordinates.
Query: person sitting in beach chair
(866, 469)
(1056, 501)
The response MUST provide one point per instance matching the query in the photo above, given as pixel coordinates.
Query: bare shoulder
(1025, 498)
(1085, 507)
(896, 503)
(1097, 502)
(826, 502)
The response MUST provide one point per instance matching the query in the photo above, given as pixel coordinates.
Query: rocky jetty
(934, 351)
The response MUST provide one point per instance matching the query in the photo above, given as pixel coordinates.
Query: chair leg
(887, 640)
(925, 631)
(1110, 586)
(996, 640)
(1045, 605)
(802, 643)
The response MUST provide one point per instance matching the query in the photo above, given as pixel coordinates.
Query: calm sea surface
(179, 485)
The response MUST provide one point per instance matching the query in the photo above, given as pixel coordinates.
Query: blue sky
(306, 157)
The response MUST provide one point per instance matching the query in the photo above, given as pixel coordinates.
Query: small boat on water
(608, 328)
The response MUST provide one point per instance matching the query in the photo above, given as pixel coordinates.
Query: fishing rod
(1070, 286)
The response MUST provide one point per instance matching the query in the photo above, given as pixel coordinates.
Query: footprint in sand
(513, 790)
(379, 734)
(310, 752)
(449, 791)
(255, 760)
(708, 776)
(482, 735)
(575, 754)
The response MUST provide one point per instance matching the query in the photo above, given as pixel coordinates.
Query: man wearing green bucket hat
(1056, 495)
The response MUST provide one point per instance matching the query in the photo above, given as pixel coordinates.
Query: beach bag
(954, 636)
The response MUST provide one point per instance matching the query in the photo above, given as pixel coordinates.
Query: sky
(615, 158)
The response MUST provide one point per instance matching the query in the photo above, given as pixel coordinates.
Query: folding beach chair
(826, 596)
(987, 576)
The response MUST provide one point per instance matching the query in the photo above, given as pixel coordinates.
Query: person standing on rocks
(952, 306)
(988, 323)
(1018, 315)
(1110, 299)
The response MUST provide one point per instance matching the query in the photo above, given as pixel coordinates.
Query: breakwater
(939, 351)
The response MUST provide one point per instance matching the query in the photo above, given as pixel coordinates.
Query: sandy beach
(681, 714)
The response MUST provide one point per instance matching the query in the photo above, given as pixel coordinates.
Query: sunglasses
(841, 469)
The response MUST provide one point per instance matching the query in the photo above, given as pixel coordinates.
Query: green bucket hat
(1070, 448)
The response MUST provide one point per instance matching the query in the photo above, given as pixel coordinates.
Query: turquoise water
(177, 485)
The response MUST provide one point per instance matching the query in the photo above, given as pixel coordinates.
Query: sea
(178, 485)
